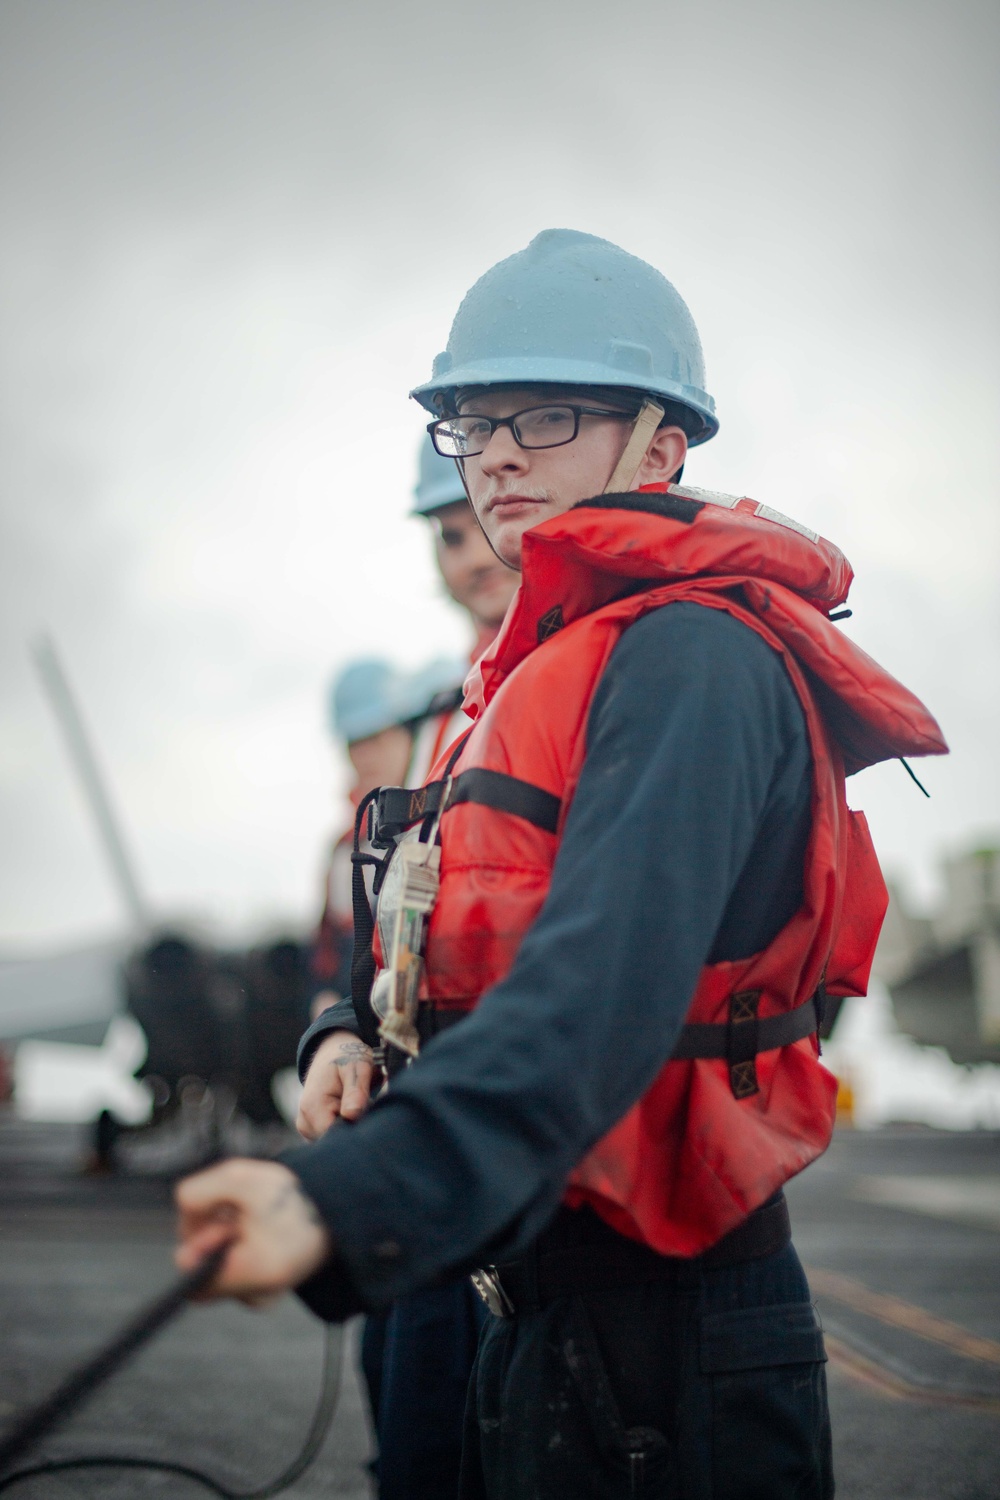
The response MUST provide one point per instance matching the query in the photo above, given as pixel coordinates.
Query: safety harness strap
(723, 1039)
(362, 957)
(507, 794)
(399, 807)
(738, 1040)
(745, 1034)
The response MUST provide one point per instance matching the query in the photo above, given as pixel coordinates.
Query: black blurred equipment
(277, 988)
(222, 1020)
(172, 990)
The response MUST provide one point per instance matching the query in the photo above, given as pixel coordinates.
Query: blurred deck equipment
(943, 971)
(219, 1021)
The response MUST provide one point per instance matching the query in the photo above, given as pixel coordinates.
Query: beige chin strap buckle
(636, 448)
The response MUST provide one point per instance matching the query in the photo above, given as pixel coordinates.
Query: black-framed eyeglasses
(535, 427)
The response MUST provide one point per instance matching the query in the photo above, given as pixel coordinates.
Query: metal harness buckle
(489, 1286)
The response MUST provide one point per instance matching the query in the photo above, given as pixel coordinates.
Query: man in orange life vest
(648, 883)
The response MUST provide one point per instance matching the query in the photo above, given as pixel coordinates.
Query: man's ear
(664, 456)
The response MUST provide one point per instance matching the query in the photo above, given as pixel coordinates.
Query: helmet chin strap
(622, 479)
(645, 425)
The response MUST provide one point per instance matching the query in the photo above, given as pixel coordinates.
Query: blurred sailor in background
(418, 1356)
(396, 727)
(378, 713)
(474, 577)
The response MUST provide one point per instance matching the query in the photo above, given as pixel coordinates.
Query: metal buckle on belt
(489, 1286)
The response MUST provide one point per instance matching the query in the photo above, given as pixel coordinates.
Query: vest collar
(614, 545)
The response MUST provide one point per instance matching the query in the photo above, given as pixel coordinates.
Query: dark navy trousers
(708, 1386)
(416, 1360)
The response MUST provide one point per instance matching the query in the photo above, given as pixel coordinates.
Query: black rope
(76, 1388)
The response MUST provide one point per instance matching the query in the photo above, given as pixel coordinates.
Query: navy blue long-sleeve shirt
(684, 845)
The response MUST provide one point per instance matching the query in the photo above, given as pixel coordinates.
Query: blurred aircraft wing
(62, 997)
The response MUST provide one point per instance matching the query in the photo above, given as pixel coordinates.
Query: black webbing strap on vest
(399, 807)
(745, 1034)
(738, 1040)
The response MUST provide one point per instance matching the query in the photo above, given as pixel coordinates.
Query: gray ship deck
(909, 1295)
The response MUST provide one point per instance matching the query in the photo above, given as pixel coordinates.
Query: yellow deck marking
(900, 1314)
(887, 1383)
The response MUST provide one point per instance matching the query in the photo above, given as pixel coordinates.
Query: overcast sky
(234, 236)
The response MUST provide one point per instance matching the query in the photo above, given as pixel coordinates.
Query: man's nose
(502, 455)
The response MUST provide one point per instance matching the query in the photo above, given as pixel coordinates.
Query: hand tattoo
(352, 1052)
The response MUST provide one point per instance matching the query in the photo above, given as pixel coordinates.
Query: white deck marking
(965, 1200)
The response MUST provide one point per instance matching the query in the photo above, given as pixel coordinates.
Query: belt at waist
(542, 1275)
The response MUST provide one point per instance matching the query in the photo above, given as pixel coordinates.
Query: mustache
(530, 492)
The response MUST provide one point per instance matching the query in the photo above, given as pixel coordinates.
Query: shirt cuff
(330, 1292)
(339, 1017)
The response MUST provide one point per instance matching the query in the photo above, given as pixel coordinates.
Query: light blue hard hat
(363, 699)
(438, 481)
(441, 676)
(371, 695)
(572, 309)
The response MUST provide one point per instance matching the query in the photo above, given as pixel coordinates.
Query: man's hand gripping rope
(276, 1237)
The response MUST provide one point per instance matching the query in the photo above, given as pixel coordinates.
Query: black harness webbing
(363, 955)
(745, 1034)
(698, 1039)
(399, 807)
(737, 1040)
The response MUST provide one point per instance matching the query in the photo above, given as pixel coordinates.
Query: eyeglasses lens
(545, 427)
(540, 427)
(460, 437)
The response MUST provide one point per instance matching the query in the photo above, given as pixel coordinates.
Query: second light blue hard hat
(438, 481)
(371, 695)
(572, 309)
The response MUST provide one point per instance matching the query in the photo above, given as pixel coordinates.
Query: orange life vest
(744, 1103)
